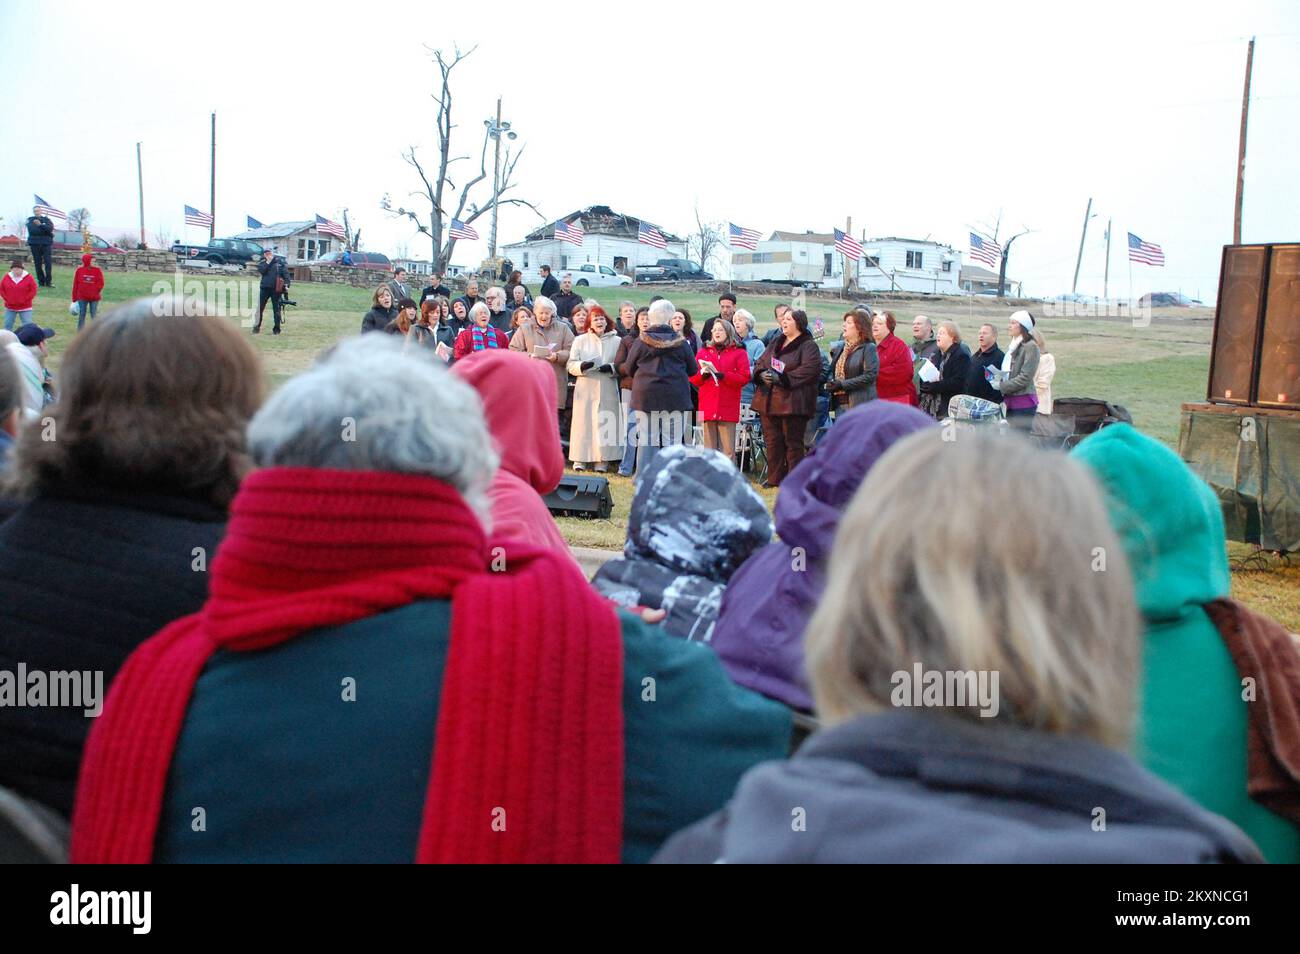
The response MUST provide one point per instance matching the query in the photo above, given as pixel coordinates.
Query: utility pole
(495, 130)
(139, 175)
(1241, 147)
(1087, 214)
(212, 198)
(1105, 286)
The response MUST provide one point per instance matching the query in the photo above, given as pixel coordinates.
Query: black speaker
(581, 497)
(1279, 346)
(1237, 324)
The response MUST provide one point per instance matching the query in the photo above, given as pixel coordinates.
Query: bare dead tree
(353, 239)
(704, 242)
(434, 181)
(78, 219)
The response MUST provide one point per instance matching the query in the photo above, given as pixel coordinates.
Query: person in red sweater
(18, 291)
(724, 372)
(87, 289)
(894, 382)
(480, 335)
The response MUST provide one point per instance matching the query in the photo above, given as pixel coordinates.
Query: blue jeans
(628, 465)
(24, 317)
(81, 311)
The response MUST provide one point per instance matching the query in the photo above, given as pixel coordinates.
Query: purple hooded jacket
(767, 604)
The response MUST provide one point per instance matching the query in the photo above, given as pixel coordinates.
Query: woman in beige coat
(594, 438)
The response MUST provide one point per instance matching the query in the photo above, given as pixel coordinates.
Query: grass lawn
(1150, 370)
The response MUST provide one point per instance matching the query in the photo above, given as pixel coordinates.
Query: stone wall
(147, 261)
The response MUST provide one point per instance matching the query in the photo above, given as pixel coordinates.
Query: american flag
(194, 217)
(985, 250)
(1148, 253)
(650, 235)
(742, 238)
(44, 208)
(570, 231)
(326, 227)
(847, 244)
(459, 230)
(253, 223)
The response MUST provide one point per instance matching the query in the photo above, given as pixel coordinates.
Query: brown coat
(557, 333)
(795, 392)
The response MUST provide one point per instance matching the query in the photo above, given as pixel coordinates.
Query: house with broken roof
(610, 239)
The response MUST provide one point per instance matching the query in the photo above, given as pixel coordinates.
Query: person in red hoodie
(894, 382)
(518, 396)
(87, 289)
(724, 372)
(18, 291)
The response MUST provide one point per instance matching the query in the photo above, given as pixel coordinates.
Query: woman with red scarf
(894, 381)
(480, 335)
(376, 677)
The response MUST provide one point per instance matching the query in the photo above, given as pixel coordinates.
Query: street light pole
(495, 129)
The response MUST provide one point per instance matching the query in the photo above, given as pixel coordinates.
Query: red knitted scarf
(528, 765)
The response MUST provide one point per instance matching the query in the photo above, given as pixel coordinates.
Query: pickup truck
(672, 270)
(220, 252)
(596, 276)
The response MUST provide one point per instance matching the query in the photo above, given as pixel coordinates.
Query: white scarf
(1006, 358)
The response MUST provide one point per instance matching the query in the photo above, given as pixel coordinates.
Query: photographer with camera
(274, 288)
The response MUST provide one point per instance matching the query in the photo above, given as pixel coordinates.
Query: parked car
(597, 276)
(221, 251)
(672, 270)
(373, 261)
(71, 242)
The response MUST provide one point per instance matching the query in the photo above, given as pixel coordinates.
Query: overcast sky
(916, 120)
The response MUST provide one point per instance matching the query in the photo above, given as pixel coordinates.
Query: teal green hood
(1168, 519)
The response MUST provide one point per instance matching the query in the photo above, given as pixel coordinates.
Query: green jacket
(1192, 719)
(288, 770)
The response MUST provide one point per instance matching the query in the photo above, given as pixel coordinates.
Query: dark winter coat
(434, 291)
(40, 230)
(272, 270)
(550, 287)
(86, 575)
(859, 382)
(694, 520)
(565, 303)
(377, 319)
(976, 384)
(660, 364)
(766, 607)
(915, 786)
(794, 394)
(954, 370)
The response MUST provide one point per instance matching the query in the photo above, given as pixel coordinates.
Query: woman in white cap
(1020, 365)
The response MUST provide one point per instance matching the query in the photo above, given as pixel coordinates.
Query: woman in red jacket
(724, 372)
(894, 382)
(18, 290)
(87, 289)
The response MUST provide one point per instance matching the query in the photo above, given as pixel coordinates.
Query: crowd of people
(271, 584)
(629, 385)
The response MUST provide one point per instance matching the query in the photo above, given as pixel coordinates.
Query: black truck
(672, 270)
(227, 251)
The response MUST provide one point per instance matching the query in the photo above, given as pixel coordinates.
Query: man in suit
(398, 286)
(40, 239)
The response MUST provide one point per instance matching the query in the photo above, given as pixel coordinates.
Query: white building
(610, 238)
(298, 242)
(887, 264)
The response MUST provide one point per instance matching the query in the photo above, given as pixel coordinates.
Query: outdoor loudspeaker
(1279, 350)
(581, 497)
(1236, 323)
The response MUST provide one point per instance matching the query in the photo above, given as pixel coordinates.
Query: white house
(298, 242)
(610, 238)
(890, 263)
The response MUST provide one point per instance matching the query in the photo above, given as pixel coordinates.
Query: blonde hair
(1041, 595)
(953, 331)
